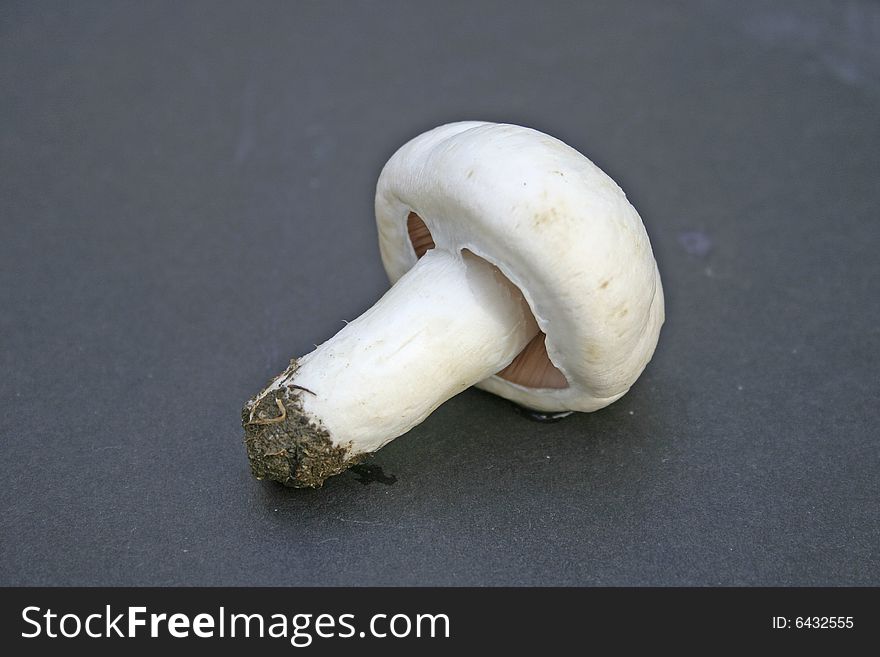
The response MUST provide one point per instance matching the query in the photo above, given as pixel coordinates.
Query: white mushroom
(517, 266)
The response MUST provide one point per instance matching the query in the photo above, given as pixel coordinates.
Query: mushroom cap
(557, 226)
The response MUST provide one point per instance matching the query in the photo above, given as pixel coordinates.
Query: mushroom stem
(448, 323)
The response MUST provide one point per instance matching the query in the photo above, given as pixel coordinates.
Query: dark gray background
(187, 202)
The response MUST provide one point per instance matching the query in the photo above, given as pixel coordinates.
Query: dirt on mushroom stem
(284, 444)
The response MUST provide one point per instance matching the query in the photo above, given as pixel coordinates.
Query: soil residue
(284, 444)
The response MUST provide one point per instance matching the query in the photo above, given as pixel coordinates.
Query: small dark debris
(367, 473)
(540, 416)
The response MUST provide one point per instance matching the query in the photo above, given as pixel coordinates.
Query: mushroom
(518, 267)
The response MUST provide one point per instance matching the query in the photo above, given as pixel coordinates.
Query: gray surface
(187, 202)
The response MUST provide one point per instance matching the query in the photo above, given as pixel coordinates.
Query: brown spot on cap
(547, 216)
